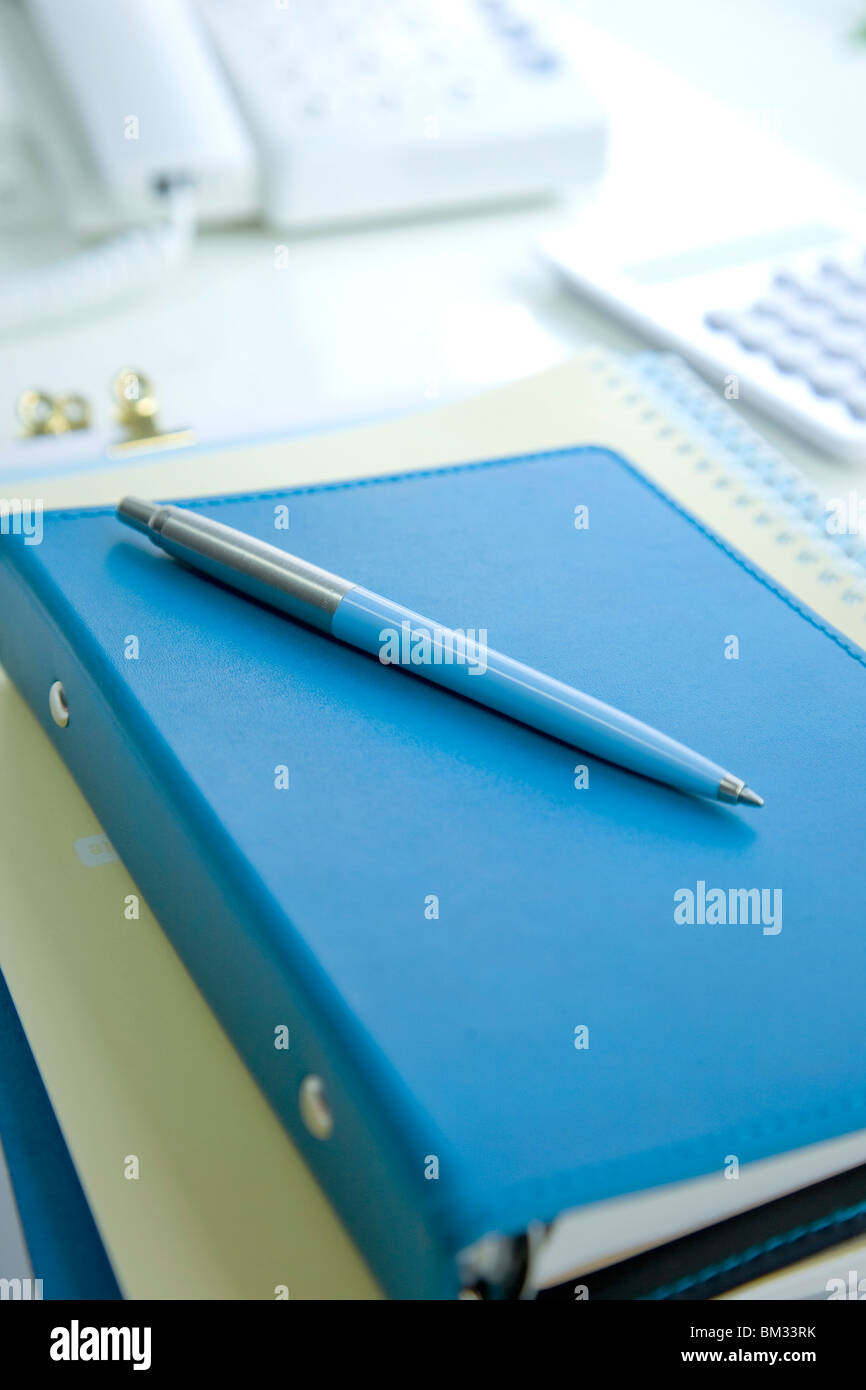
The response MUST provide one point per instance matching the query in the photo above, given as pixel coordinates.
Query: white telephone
(156, 115)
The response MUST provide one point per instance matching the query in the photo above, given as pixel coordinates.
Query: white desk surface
(380, 320)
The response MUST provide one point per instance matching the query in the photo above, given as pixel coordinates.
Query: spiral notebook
(598, 399)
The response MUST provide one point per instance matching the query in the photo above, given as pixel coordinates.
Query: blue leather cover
(454, 1035)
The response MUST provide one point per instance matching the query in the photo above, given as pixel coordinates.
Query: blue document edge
(66, 1252)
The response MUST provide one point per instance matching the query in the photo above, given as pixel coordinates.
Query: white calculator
(777, 319)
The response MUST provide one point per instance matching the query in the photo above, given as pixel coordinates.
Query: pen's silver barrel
(258, 569)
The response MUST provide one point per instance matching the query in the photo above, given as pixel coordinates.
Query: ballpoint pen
(446, 656)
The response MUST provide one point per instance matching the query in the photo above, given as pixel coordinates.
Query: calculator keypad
(811, 323)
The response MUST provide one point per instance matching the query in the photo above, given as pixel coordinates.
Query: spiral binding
(682, 386)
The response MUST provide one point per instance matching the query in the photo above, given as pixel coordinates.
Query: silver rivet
(57, 705)
(315, 1110)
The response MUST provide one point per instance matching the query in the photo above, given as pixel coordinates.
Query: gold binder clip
(40, 413)
(137, 412)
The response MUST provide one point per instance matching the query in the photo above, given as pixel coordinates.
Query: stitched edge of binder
(342, 485)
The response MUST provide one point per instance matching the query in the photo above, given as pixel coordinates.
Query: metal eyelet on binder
(315, 1110)
(57, 705)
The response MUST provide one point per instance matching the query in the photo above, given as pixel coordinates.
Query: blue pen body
(463, 663)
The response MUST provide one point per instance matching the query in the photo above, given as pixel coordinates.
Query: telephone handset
(122, 100)
(139, 135)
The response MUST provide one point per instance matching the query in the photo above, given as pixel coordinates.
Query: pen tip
(750, 798)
